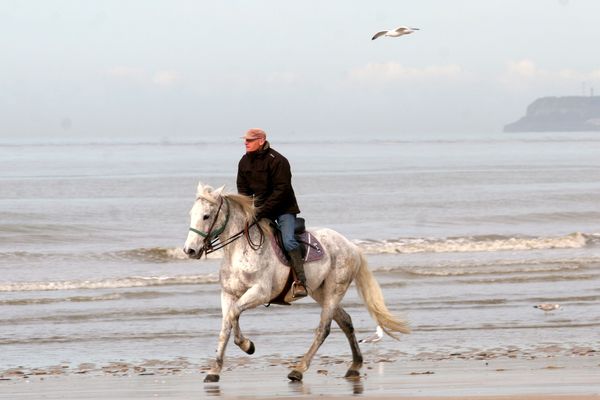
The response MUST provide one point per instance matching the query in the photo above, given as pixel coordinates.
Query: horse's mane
(246, 204)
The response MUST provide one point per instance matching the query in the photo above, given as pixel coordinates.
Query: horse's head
(208, 218)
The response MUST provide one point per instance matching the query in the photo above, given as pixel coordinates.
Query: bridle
(212, 237)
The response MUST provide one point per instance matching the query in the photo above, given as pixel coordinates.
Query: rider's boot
(299, 285)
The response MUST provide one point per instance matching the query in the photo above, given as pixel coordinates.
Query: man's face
(253, 144)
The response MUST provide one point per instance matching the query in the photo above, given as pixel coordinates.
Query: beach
(464, 233)
(483, 377)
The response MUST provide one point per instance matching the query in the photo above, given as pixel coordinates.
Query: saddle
(311, 250)
(310, 247)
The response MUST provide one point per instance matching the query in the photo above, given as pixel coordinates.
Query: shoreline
(553, 376)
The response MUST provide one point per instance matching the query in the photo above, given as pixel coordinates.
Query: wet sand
(490, 374)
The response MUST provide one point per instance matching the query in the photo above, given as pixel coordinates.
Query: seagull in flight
(401, 30)
(376, 337)
(546, 307)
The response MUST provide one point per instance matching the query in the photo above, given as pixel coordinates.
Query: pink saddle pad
(312, 248)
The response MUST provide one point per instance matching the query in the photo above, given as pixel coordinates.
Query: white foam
(135, 281)
(473, 244)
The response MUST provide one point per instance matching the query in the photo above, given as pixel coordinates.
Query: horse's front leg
(238, 337)
(226, 325)
(254, 297)
(232, 310)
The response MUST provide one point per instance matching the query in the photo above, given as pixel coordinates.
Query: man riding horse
(265, 175)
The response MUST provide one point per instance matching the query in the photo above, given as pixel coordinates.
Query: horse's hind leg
(345, 323)
(328, 308)
(320, 336)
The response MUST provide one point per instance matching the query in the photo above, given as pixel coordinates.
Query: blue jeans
(287, 225)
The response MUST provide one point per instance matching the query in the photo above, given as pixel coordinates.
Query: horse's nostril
(189, 252)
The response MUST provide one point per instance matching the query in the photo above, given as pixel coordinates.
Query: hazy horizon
(180, 69)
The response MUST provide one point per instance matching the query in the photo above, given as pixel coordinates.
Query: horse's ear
(218, 192)
(199, 189)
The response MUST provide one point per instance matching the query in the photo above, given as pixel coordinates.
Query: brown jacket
(266, 175)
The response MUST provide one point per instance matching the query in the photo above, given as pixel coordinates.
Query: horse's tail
(370, 291)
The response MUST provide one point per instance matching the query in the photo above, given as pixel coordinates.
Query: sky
(212, 69)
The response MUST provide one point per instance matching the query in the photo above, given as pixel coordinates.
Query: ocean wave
(550, 278)
(121, 337)
(511, 326)
(462, 268)
(148, 254)
(593, 239)
(114, 283)
(154, 254)
(138, 295)
(536, 268)
(487, 243)
(112, 315)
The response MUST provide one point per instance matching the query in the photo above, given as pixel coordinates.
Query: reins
(211, 238)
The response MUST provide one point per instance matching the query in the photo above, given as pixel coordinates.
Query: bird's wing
(374, 337)
(379, 34)
(402, 29)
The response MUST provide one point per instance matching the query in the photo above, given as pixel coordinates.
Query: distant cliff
(571, 113)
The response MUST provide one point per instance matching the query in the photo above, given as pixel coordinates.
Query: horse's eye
(206, 216)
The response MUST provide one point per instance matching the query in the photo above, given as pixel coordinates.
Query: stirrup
(298, 290)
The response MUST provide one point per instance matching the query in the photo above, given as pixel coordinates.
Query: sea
(465, 233)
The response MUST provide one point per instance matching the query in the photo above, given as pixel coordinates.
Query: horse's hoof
(352, 374)
(251, 349)
(295, 376)
(211, 378)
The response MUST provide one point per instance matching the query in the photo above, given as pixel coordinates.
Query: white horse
(252, 275)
